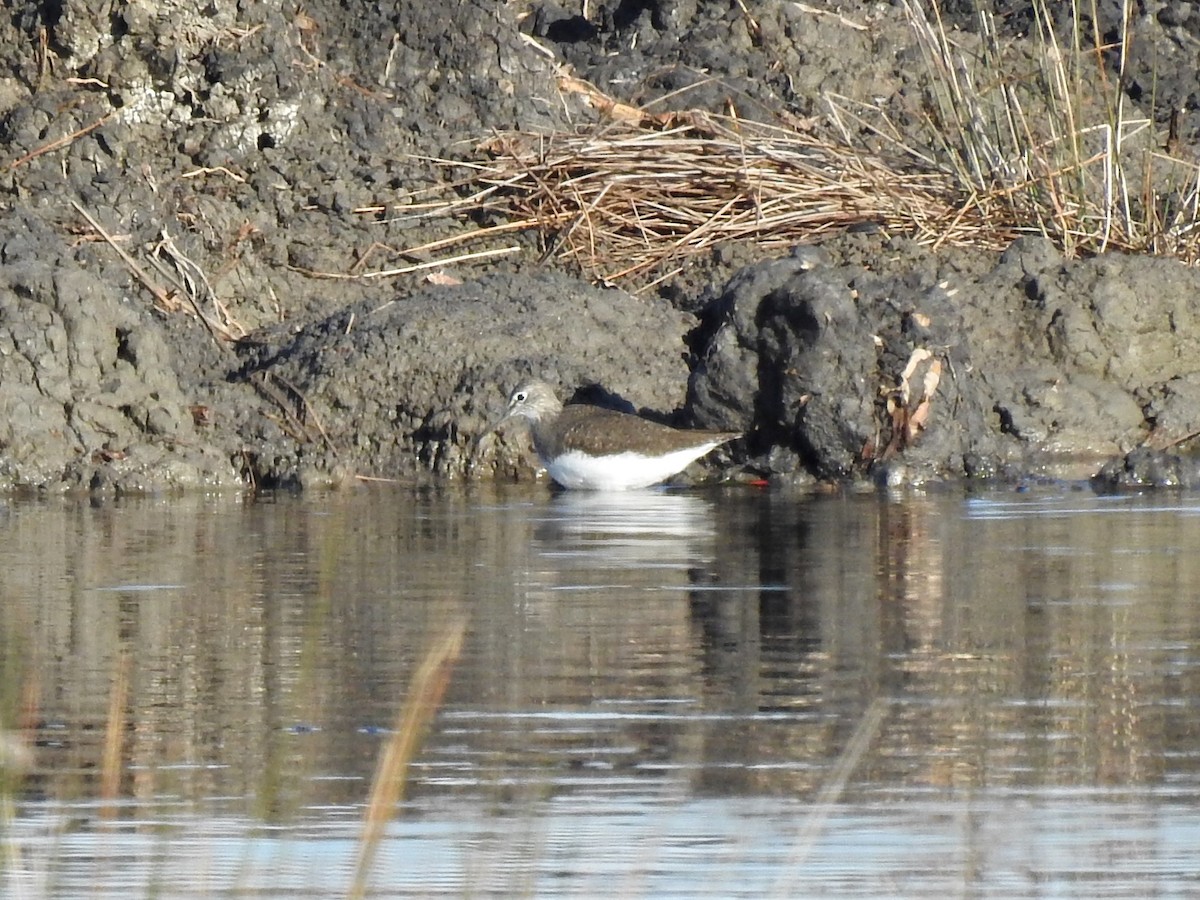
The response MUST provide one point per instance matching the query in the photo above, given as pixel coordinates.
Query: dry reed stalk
(114, 738)
(425, 695)
(1056, 145)
(406, 270)
(31, 700)
(192, 283)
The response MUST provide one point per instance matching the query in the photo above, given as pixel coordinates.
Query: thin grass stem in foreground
(425, 695)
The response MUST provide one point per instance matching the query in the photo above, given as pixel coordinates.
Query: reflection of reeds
(15, 759)
(424, 697)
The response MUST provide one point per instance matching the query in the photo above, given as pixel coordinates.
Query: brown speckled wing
(601, 432)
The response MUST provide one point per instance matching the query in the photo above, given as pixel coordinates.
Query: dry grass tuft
(1046, 128)
(1013, 147)
(634, 197)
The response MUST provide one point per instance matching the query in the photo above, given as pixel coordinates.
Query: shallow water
(666, 694)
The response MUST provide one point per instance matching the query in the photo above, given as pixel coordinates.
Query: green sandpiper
(593, 448)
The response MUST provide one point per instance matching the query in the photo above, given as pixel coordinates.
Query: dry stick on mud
(265, 383)
(62, 141)
(191, 281)
(165, 300)
(406, 270)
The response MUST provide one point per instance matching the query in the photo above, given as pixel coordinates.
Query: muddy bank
(1035, 367)
(188, 195)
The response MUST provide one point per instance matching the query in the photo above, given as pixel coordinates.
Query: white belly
(622, 471)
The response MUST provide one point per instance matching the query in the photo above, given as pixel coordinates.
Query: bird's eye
(520, 396)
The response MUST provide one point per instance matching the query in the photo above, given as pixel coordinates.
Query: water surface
(730, 693)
